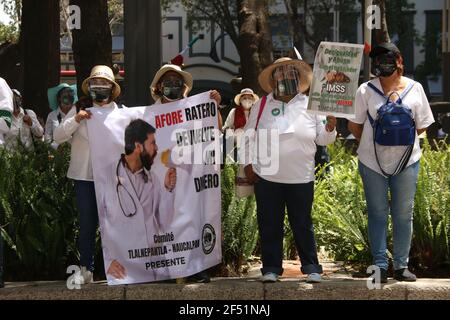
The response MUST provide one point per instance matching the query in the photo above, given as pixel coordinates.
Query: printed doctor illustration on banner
(157, 182)
(335, 82)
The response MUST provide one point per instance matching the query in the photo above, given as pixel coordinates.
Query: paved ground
(338, 284)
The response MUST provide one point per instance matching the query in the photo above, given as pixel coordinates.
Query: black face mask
(147, 159)
(173, 90)
(100, 93)
(384, 65)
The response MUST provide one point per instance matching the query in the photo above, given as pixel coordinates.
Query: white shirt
(21, 131)
(77, 135)
(229, 123)
(54, 119)
(153, 215)
(368, 100)
(298, 133)
(6, 107)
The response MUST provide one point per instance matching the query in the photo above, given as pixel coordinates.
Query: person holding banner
(135, 194)
(102, 89)
(291, 184)
(171, 84)
(387, 189)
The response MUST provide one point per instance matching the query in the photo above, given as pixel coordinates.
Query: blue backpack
(394, 126)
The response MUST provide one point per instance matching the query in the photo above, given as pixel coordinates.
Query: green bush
(40, 218)
(239, 225)
(340, 212)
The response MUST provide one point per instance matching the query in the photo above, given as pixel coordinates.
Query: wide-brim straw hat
(306, 74)
(52, 94)
(102, 72)
(245, 92)
(188, 81)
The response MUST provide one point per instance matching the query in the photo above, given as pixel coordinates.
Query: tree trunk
(255, 42)
(40, 52)
(382, 35)
(294, 23)
(92, 43)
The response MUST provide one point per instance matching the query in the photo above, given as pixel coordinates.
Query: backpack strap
(261, 109)
(372, 86)
(407, 91)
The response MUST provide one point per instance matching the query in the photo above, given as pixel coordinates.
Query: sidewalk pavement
(338, 284)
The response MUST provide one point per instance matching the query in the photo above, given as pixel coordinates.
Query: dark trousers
(272, 199)
(88, 216)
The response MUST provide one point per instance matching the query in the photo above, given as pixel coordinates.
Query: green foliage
(8, 33)
(39, 218)
(239, 226)
(340, 212)
(39, 213)
(431, 237)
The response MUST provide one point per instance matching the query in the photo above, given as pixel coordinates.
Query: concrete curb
(234, 289)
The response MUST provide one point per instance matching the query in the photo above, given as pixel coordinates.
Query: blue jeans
(271, 200)
(88, 216)
(402, 188)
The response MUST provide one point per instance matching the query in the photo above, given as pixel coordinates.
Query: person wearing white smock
(102, 89)
(61, 99)
(25, 127)
(283, 174)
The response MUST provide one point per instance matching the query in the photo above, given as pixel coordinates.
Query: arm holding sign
(326, 134)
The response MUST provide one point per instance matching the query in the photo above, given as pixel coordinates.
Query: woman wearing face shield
(61, 99)
(25, 126)
(387, 66)
(102, 89)
(283, 172)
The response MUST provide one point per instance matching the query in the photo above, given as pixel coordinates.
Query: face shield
(287, 81)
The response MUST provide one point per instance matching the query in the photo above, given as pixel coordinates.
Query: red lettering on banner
(168, 119)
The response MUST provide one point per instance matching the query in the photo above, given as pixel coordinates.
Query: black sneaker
(383, 276)
(405, 275)
(201, 277)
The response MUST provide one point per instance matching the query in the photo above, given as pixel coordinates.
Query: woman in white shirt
(238, 117)
(283, 169)
(25, 127)
(102, 88)
(379, 177)
(60, 99)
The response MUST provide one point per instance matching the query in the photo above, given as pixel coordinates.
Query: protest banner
(336, 79)
(149, 232)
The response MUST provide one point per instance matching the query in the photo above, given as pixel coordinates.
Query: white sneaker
(84, 276)
(314, 278)
(269, 277)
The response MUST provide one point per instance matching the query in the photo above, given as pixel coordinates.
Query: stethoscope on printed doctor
(120, 185)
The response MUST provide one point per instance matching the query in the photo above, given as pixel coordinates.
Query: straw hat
(246, 91)
(306, 74)
(52, 94)
(188, 81)
(102, 72)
